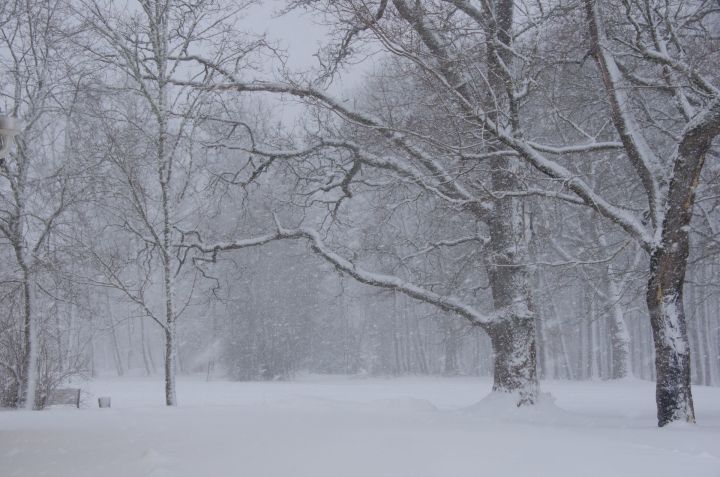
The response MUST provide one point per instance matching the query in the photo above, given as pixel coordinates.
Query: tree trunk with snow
(28, 370)
(668, 264)
(515, 355)
(513, 337)
(170, 361)
(670, 199)
(672, 347)
(165, 165)
(28, 362)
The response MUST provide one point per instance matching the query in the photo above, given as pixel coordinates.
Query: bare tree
(488, 77)
(39, 186)
(669, 175)
(147, 46)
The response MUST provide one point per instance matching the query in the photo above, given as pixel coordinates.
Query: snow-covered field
(341, 427)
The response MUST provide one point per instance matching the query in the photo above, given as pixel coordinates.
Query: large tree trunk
(515, 368)
(508, 243)
(513, 337)
(670, 247)
(672, 347)
(668, 264)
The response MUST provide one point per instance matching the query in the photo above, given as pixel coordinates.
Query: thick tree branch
(445, 302)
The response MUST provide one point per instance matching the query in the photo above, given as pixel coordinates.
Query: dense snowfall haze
(459, 223)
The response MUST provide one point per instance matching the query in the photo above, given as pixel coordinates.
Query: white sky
(301, 37)
(296, 32)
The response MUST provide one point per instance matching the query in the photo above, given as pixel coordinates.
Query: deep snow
(338, 427)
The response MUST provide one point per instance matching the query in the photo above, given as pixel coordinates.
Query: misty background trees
(515, 190)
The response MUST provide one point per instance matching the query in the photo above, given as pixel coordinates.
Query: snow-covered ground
(342, 427)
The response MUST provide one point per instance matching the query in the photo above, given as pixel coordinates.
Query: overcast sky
(300, 36)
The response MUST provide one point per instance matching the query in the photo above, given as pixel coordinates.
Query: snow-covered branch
(447, 243)
(445, 302)
(387, 162)
(642, 157)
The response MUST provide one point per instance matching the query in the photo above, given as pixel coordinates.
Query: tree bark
(515, 368)
(672, 348)
(170, 360)
(28, 372)
(513, 337)
(668, 265)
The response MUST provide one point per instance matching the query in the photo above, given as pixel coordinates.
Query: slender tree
(146, 45)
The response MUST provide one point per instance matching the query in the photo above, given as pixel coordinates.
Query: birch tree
(145, 44)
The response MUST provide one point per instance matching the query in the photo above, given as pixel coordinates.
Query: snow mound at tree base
(504, 406)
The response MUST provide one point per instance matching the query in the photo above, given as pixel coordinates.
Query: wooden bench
(64, 396)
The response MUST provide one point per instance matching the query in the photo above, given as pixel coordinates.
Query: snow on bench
(63, 396)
